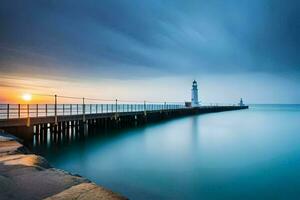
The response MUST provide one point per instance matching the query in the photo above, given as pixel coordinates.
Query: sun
(27, 97)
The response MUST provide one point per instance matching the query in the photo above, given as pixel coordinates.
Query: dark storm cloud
(129, 37)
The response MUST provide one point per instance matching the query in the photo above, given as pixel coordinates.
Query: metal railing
(16, 111)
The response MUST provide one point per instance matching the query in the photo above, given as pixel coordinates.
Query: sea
(244, 154)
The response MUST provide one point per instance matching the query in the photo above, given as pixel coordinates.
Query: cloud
(121, 38)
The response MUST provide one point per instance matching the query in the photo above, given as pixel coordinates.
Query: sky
(151, 49)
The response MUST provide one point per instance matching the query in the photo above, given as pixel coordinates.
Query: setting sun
(27, 97)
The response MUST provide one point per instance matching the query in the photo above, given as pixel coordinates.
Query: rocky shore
(24, 175)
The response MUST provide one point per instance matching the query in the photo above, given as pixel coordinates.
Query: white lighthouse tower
(195, 101)
(241, 103)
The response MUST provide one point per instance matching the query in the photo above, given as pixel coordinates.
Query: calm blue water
(247, 154)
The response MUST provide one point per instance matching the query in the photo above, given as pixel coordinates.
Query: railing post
(101, 108)
(28, 116)
(96, 108)
(77, 109)
(165, 105)
(71, 109)
(90, 108)
(83, 110)
(37, 110)
(116, 106)
(19, 111)
(7, 111)
(46, 109)
(63, 109)
(55, 109)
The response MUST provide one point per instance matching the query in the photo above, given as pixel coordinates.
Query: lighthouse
(195, 101)
(241, 102)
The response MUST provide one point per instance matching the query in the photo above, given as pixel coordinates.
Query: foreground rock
(28, 176)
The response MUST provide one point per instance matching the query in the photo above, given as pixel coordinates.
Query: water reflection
(252, 154)
(48, 138)
(194, 133)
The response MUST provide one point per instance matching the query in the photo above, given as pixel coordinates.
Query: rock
(29, 176)
(86, 191)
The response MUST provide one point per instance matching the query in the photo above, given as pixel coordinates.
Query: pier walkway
(26, 120)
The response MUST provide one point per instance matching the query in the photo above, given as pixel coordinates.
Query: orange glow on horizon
(42, 90)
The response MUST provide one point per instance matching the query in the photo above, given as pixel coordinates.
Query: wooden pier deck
(40, 120)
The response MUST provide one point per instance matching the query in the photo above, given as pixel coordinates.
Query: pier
(57, 120)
